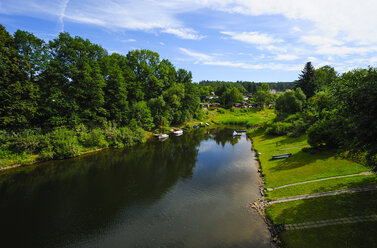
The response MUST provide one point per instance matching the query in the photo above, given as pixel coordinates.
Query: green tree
(141, 113)
(290, 102)
(33, 51)
(115, 90)
(72, 84)
(230, 97)
(263, 95)
(306, 80)
(17, 93)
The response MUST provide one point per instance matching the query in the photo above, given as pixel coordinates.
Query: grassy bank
(304, 165)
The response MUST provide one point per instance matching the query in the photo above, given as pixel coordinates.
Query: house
(215, 105)
(240, 105)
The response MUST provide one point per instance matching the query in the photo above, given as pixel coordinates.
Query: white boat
(178, 132)
(162, 136)
(236, 134)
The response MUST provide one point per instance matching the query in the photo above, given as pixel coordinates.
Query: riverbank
(297, 176)
(30, 146)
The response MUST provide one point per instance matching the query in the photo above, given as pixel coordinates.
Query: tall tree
(17, 93)
(115, 90)
(32, 50)
(306, 80)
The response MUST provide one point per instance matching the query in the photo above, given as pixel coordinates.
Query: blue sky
(228, 40)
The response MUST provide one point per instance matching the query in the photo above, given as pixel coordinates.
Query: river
(188, 191)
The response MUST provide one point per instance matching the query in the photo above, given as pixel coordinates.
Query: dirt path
(321, 223)
(322, 179)
(321, 194)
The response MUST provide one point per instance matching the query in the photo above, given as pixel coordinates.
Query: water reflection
(169, 194)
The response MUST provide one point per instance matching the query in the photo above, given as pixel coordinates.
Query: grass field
(322, 208)
(304, 166)
(242, 117)
(361, 235)
(322, 186)
(301, 166)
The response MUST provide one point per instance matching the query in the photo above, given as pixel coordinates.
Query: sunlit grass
(301, 166)
(322, 186)
(323, 208)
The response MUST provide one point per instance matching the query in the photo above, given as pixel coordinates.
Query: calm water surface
(188, 191)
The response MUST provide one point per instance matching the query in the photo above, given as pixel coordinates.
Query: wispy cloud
(205, 59)
(287, 57)
(196, 55)
(62, 14)
(253, 37)
(184, 33)
(320, 40)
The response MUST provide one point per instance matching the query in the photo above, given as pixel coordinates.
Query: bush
(64, 143)
(25, 141)
(221, 110)
(279, 128)
(95, 138)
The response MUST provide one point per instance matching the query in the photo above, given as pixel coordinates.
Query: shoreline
(260, 204)
(15, 166)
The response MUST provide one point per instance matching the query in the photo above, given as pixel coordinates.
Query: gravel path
(321, 223)
(329, 193)
(322, 179)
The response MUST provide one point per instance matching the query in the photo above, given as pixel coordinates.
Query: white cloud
(210, 60)
(345, 50)
(252, 37)
(320, 41)
(287, 57)
(196, 55)
(184, 33)
(130, 40)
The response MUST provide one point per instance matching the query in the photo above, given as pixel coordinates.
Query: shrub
(279, 128)
(25, 141)
(221, 110)
(95, 138)
(64, 143)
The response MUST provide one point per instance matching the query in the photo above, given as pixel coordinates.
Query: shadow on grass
(290, 140)
(300, 159)
(352, 235)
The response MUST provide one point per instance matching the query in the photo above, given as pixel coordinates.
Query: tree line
(70, 81)
(247, 86)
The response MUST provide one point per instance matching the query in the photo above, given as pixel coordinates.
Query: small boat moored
(241, 131)
(162, 136)
(236, 134)
(178, 132)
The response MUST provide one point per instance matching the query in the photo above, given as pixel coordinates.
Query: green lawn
(301, 166)
(323, 208)
(239, 117)
(322, 186)
(361, 235)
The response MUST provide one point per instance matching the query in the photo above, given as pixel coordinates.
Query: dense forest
(69, 95)
(69, 81)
